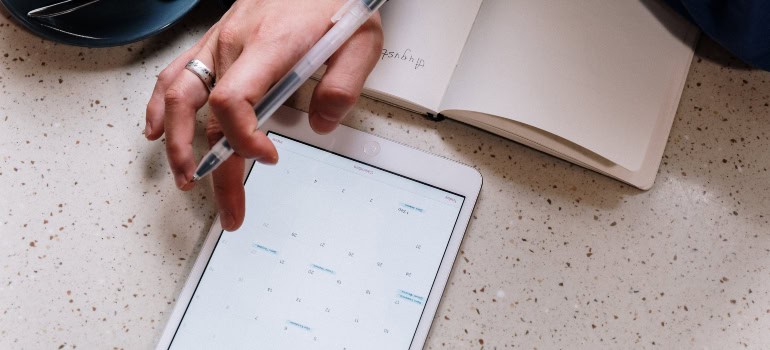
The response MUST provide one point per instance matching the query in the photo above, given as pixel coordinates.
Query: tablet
(347, 243)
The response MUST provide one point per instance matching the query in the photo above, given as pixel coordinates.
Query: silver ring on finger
(205, 74)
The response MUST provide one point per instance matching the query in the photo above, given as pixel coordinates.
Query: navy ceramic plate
(105, 23)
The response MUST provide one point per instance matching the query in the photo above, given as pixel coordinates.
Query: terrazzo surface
(96, 242)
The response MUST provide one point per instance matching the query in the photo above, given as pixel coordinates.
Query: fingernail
(267, 159)
(226, 219)
(328, 117)
(181, 181)
(147, 129)
(273, 159)
(322, 124)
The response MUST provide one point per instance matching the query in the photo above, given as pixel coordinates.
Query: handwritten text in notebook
(407, 56)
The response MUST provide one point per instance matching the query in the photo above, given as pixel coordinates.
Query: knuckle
(213, 134)
(165, 76)
(221, 97)
(174, 150)
(173, 96)
(227, 38)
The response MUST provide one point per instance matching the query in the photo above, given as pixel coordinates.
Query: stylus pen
(347, 20)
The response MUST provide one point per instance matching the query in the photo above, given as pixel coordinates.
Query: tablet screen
(333, 254)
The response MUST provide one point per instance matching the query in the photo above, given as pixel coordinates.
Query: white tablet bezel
(397, 158)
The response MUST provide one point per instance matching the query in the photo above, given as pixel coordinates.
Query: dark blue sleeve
(741, 26)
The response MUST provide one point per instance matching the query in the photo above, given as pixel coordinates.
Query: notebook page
(598, 73)
(423, 41)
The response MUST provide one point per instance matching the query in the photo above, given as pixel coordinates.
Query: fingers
(154, 128)
(228, 184)
(232, 101)
(154, 125)
(229, 45)
(228, 190)
(248, 58)
(182, 100)
(177, 96)
(346, 72)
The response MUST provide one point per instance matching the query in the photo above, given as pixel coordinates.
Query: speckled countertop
(95, 241)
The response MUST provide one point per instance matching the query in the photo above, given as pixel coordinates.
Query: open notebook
(595, 82)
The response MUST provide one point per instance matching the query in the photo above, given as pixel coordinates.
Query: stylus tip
(195, 178)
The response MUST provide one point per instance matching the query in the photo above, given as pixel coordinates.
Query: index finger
(233, 100)
(154, 114)
(182, 100)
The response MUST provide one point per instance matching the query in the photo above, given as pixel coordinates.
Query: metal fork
(59, 8)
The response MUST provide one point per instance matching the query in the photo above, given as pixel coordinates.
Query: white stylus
(347, 20)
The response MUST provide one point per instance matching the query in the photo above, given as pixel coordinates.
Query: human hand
(251, 47)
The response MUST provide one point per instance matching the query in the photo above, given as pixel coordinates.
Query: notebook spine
(435, 117)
